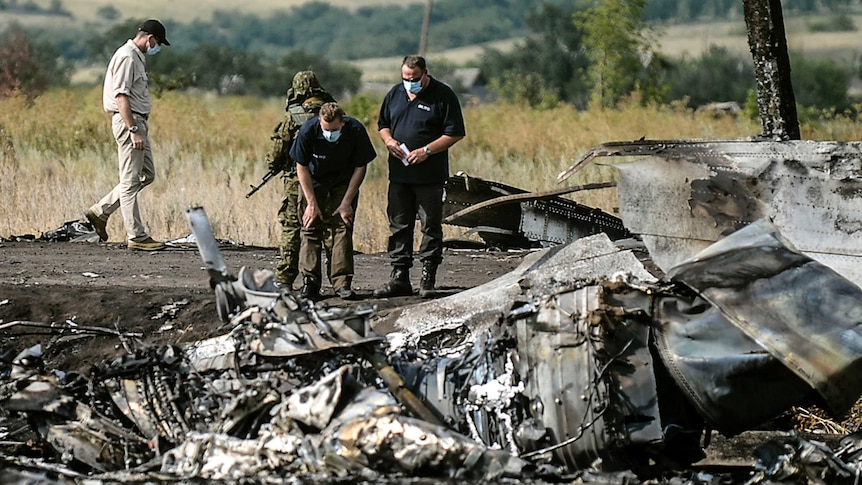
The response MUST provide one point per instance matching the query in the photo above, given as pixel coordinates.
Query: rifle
(268, 175)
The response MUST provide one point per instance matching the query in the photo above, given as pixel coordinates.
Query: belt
(142, 115)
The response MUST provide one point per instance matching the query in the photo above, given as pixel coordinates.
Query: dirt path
(165, 295)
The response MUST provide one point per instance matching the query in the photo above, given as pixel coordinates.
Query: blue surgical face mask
(413, 86)
(331, 136)
(151, 51)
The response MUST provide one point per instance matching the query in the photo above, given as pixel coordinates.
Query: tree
(101, 47)
(821, 83)
(529, 90)
(717, 75)
(620, 45)
(28, 67)
(213, 67)
(554, 60)
(108, 12)
(339, 78)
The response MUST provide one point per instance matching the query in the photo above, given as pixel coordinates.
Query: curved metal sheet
(691, 194)
(802, 312)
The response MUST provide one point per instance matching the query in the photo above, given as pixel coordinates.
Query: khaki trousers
(136, 170)
(339, 264)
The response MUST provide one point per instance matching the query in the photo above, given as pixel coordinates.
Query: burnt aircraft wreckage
(579, 365)
(583, 365)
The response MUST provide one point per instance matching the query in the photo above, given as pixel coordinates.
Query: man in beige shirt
(125, 95)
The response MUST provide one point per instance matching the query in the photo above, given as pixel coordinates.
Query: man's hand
(138, 141)
(417, 156)
(394, 148)
(346, 213)
(311, 214)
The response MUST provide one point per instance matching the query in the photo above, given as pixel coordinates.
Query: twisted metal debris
(603, 377)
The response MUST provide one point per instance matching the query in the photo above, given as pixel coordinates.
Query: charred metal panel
(562, 221)
(802, 312)
(544, 271)
(691, 194)
(592, 386)
(463, 191)
(506, 222)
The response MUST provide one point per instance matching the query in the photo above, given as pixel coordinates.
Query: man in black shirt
(419, 120)
(331, 152)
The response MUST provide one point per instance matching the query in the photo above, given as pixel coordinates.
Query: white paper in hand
(406, 152)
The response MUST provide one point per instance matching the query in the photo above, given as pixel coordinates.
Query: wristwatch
(427, 150)
(133, 129)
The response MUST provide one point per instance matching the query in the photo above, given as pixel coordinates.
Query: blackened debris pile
(580, 364)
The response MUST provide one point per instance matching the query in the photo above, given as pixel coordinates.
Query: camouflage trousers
(288, 216)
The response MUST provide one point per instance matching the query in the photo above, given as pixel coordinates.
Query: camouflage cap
(305, 85)
(305, 82)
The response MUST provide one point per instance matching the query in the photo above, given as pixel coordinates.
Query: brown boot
(148, 244)
(100, 226)
(398, 284)
(429, 279)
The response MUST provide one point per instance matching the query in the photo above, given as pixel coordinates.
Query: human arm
(312, 210)
(345, 208)
(125, 110)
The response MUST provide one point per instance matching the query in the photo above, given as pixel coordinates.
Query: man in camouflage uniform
(304, 99)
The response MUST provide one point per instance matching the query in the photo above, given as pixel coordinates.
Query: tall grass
(57, 157)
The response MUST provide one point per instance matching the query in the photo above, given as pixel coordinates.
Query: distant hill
(678, 39)
(180, 10)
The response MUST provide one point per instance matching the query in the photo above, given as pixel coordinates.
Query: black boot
(398, 285)
(310, 288)
(429, 279)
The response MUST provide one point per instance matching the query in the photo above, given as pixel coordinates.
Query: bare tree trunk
(768, 44)
(426, 21)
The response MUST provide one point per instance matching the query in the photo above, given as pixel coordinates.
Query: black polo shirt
(331, 164)
(435, 111)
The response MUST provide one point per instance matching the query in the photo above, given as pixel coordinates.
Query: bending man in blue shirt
(331, 152)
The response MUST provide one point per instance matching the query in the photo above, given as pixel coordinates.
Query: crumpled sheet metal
(357, 433)
(720, 368)
(11, 476)
(215, 456)
(314, 405)
(395, 443)
(334, 327)
(564, 376)
(709, 189)
(591, 383)
(792, 459)
(76, 428)
(283, 328)
(802, 312)
(563, 266)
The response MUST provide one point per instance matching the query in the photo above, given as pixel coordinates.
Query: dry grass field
(692, 39)
(209, 150)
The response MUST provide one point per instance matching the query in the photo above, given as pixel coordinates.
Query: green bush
(834, 23)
